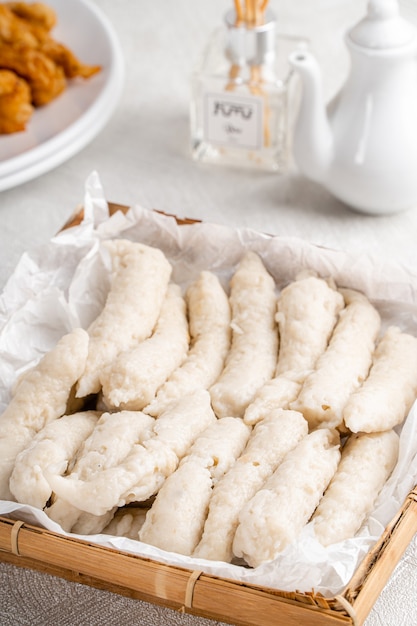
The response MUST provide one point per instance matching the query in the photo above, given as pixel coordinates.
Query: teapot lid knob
(383, 27)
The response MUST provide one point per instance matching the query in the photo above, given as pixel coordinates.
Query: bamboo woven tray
(199, 593)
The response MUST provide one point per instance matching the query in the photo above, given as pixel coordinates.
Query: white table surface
(142, 156)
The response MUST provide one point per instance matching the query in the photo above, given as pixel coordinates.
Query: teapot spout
(313, 141)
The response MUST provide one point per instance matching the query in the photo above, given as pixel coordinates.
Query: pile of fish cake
(214, 421)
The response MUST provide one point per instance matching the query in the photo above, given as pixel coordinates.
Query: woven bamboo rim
(20, 541)
(78, 215)
(184, 590)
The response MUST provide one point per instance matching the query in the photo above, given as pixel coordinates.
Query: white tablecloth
(142, 156)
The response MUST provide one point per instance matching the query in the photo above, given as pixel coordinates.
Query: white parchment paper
(64, 283)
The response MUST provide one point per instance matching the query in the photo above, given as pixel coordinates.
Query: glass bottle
(243, 96)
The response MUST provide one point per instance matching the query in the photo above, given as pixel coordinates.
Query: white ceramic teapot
(363, 148)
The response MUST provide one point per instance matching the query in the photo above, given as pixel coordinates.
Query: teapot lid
(383, 27)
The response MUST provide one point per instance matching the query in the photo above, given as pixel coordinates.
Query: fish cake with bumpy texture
(366, 464)
(253, 353)
(209, 324)
(70, 517)
(387, 394)
(184, 420)
(111, 440)
(344, 364)
(278, 392)
(55, 445)
(138, 287)
(143, 471)
(277, 514)
(40, 396)
(176, 519)
(219, 445)
(307, 312)
(267, 446)
(132, 379)
(87, 524)
(126, 522)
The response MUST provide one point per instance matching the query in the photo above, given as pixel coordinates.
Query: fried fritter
(30, 24)
(15, 103)
(36, 13)
(14, 30)
(63, 57)
(46, 79)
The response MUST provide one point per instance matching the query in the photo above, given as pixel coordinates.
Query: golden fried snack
(30, 24)
(14, 30)
(46, 79)
(15, 102)
(28, 49)
(37, 14)
(63, 57)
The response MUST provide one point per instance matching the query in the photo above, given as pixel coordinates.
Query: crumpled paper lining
(63, 284)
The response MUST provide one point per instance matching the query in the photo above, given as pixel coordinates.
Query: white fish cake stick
(183, 421)
(366, 464)
(141, 474)
(71, 518)
(209, 324)
(267, 446)
(54, 446)
(126, 522)
(278, 392)
(110, 442)
(13, 439)
(87, 524)
(139, 283)
(386, 396)
(139, 477)
(343, 366)
(308, 310)
(176, 430)
(176, 519)
(218, 447)
(278, 512)
(131, 381)
(42, 393)
(40, 397)
(63, 513)
(252, 357)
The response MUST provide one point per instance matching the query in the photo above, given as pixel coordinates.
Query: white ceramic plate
(60, 129)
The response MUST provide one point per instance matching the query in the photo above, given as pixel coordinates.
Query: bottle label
(233, 120)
